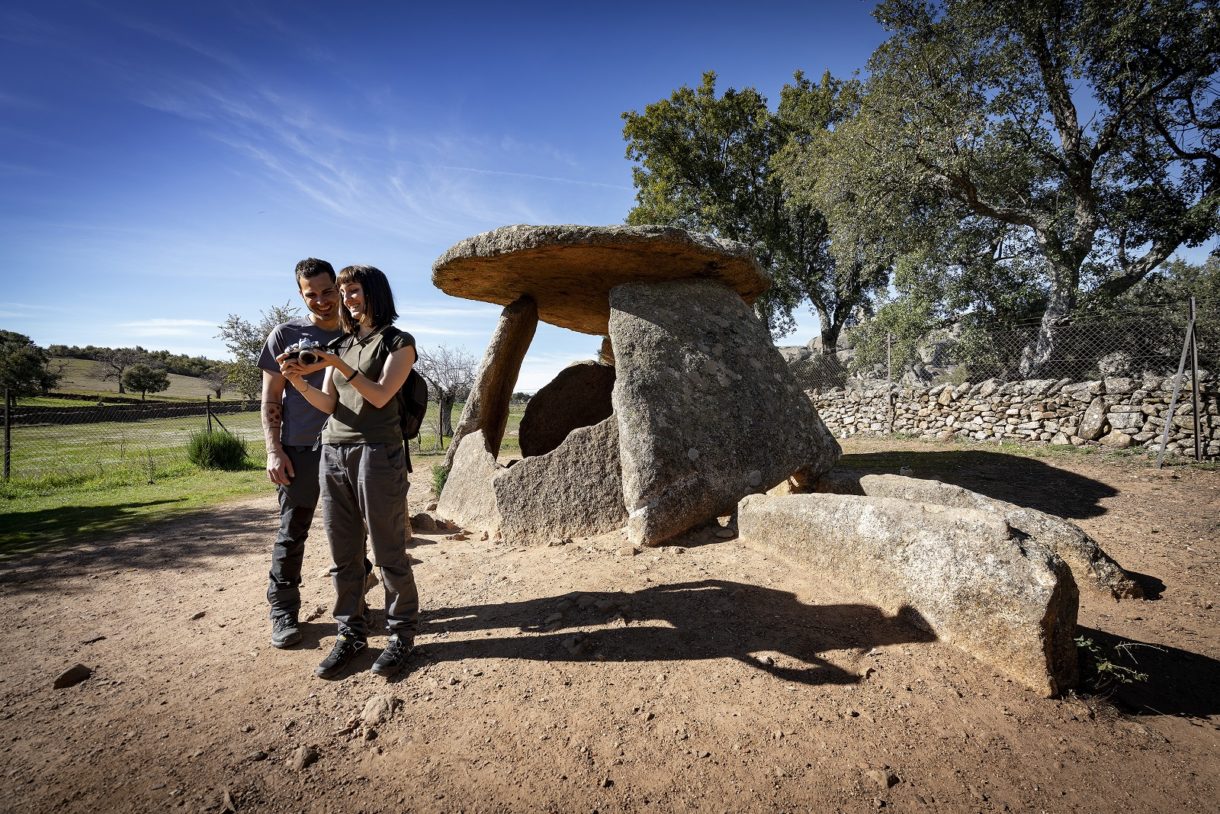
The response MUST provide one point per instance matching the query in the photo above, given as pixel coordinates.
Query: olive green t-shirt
(354, 420)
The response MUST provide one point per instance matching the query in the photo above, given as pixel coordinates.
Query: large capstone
(570, 270)
(578, 397)
(708, 411)
(966, 574)
(574, 490)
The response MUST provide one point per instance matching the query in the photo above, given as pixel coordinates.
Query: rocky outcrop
(969, 576)
(1090, 565)
(574, 490)
(708, 410)
(570, 270)
(487, 406)
(578, 397)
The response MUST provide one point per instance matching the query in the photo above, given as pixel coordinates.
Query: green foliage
(216, 450)
(25, 368)
(1070, 147)
(1099, 672)
(708, 163)
(245, 341)
(440, 474)
(146, 379)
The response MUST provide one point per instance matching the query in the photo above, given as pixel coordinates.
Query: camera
(305, 352)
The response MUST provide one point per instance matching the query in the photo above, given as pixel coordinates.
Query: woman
(364, 466)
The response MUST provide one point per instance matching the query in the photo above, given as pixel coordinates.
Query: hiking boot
(284, 631)
(345, 649)
(394, 657)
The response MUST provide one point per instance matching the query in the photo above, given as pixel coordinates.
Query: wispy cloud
(168, 327)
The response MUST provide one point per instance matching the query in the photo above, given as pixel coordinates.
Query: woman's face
(353, 301)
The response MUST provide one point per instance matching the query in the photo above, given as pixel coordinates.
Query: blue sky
(165, 164)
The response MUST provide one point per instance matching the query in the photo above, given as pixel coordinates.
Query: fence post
(889, 365)
(1194, 380)
(1177, 385)
(209, 408)
(8, 435)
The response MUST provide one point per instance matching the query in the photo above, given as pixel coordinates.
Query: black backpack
(412, 404)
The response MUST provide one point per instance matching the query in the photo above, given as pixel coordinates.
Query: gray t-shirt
(302, 421)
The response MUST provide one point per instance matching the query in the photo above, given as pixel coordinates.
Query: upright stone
(574, 490)
(707, 409)
(578, 397)
(487, 407)
(1093, 423)
(469, 499)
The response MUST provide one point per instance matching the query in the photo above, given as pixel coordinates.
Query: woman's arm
(393, 374)
(324, 399)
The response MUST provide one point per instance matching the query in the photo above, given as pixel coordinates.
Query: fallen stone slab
(966, 574)
(708, 410)
(1090, 565)
(576, 490)
(71, 677)
(570, 270)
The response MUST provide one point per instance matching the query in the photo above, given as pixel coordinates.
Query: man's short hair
(378, 298)
(311, 267)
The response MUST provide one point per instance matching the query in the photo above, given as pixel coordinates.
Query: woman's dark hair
(378, 299)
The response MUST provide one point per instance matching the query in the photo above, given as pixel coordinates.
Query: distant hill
(85, 376)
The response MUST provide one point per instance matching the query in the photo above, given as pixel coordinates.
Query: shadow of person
(1179, 682)
(705, 619)
(1026, 482)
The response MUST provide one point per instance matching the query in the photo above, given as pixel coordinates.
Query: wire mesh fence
(1086, 346)
(60, 446)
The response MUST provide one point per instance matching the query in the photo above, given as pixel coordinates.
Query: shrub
(440, 473)
(216, 450)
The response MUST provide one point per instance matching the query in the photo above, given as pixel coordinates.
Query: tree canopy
(25, 368)
(245, 341)
(1078, 138)
(706, 162)
(146, 379)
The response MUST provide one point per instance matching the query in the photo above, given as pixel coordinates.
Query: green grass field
(84, 376)
(74, 480)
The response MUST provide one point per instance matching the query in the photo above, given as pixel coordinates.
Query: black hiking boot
(345, 649)
(394, 657)
(284, 631)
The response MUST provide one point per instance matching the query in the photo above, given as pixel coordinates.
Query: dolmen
(689, 412)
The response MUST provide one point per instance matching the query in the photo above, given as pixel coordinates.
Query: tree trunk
(445, 415)
(1038, 354)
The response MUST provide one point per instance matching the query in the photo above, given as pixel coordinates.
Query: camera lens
(308, 357)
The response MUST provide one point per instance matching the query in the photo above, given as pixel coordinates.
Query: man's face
(321, 296)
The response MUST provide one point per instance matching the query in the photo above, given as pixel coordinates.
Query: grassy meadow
(84, 377)
(92, 480)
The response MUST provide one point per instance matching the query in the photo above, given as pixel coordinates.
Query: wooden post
(209, 413)
(1194, 382)
(8, 435)
(1177, 385)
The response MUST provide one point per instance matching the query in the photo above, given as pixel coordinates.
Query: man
(291, 427)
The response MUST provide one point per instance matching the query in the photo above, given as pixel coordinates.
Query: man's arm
(279, 468)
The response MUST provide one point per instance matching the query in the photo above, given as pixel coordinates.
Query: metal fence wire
(56, 446)
(1087, 346)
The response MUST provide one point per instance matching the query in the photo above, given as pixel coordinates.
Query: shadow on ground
(707, 619)
(1179, 682)
(169, 544)
(1027, 482)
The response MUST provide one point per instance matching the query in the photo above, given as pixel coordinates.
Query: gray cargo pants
(364, 489)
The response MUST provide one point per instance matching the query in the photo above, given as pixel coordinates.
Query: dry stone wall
(1118, 412)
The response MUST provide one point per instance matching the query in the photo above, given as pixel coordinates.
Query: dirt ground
(703, 676)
